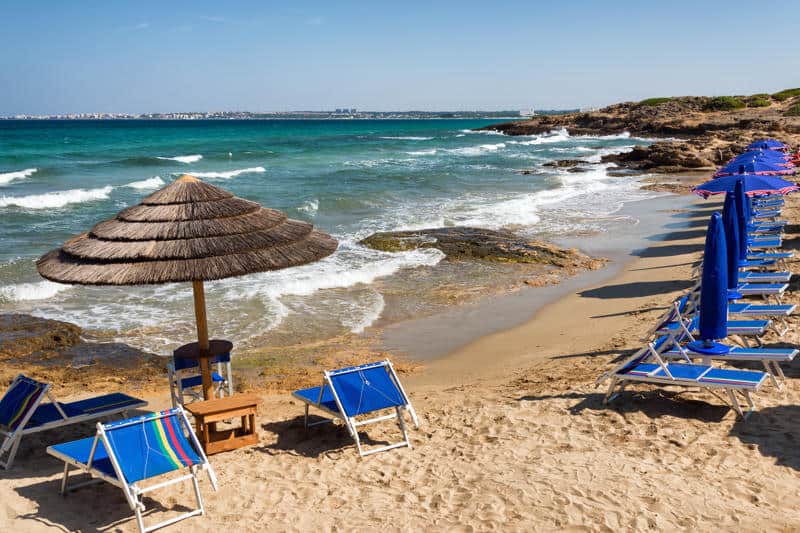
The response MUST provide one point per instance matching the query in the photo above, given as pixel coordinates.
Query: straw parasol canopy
(187, 231)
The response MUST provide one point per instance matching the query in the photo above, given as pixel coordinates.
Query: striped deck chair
(647, 366)
(24, 411)
(128, 452)
(360, 390)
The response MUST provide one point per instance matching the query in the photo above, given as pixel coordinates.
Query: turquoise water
(348, 177)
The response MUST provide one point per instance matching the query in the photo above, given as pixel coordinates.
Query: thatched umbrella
(187, 231)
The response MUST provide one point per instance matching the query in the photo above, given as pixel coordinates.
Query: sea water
(348, 177)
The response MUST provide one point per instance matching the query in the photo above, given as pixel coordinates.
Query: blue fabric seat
(128, 452)
(348, 393)
(40, 415)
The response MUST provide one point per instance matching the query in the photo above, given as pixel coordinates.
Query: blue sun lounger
(765, 277)
(639, 369)
(681, 321)
(127, 452)
(360, 390)
(769, 357)
(22, 412)
(777, 313)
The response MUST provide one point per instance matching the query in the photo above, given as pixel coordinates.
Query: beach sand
(513, 437)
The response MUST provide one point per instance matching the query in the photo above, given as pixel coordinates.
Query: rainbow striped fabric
(151, 445)
(21, 398)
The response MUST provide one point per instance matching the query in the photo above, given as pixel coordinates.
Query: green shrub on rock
(723, 103)
(786, 94)
(654, 101)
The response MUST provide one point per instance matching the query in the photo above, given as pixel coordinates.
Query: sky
(159, 56)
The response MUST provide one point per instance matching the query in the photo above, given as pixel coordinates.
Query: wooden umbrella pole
(202, 336)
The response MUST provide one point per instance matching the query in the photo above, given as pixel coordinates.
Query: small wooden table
(207, 413)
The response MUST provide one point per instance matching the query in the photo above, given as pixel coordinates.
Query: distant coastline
(287, 115)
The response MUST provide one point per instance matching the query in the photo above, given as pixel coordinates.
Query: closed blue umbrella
(743, 216)
(713, 292)
(730, 222)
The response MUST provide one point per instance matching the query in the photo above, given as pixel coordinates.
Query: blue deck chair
(360, 390)
(777, 313)
(769, 357)
(127, 452)
(23, 411)
(647, 366)
(765, 277)
(185, 379)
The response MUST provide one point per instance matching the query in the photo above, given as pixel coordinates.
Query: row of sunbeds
(669, 358)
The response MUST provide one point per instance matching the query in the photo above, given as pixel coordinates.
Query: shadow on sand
(669, 250)
(323, 439)
(653, 403)
(97, 507)
(771, 432)
(636, 289)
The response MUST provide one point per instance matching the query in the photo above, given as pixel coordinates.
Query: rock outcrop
(464, 243)
(21, 335)
(710, 130)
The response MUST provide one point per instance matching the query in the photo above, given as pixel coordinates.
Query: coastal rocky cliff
(704, 131)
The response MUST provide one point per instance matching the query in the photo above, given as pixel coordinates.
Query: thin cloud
(315, 21)
(142, 26)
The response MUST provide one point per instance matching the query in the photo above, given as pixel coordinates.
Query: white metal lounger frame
(622, 380)
(13, 438)
(352, 424)
(176, 377)
(133, 492)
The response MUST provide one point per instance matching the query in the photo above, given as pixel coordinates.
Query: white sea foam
(408, 138)
(360, 315)
(482, 132)
(430, 151)
(477, 150)
(54, 200)
(8, 177)
(601, 152)
(555, 136)
(310, 207)
(230, 173)
(184, 158)
(40, 290)
(150, 183)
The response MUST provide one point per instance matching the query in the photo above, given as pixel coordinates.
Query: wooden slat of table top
(221, 405)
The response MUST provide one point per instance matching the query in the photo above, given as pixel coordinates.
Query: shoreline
(434, 337)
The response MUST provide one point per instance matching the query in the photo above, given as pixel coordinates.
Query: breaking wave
(54, 200)
(8, 177)
(41, 290)
(230, 173)
(183, 158)
(150, 183)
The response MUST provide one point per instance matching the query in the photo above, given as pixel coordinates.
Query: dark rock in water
(661, 157)
(21, 335)
(564, 163)
(459, 243)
